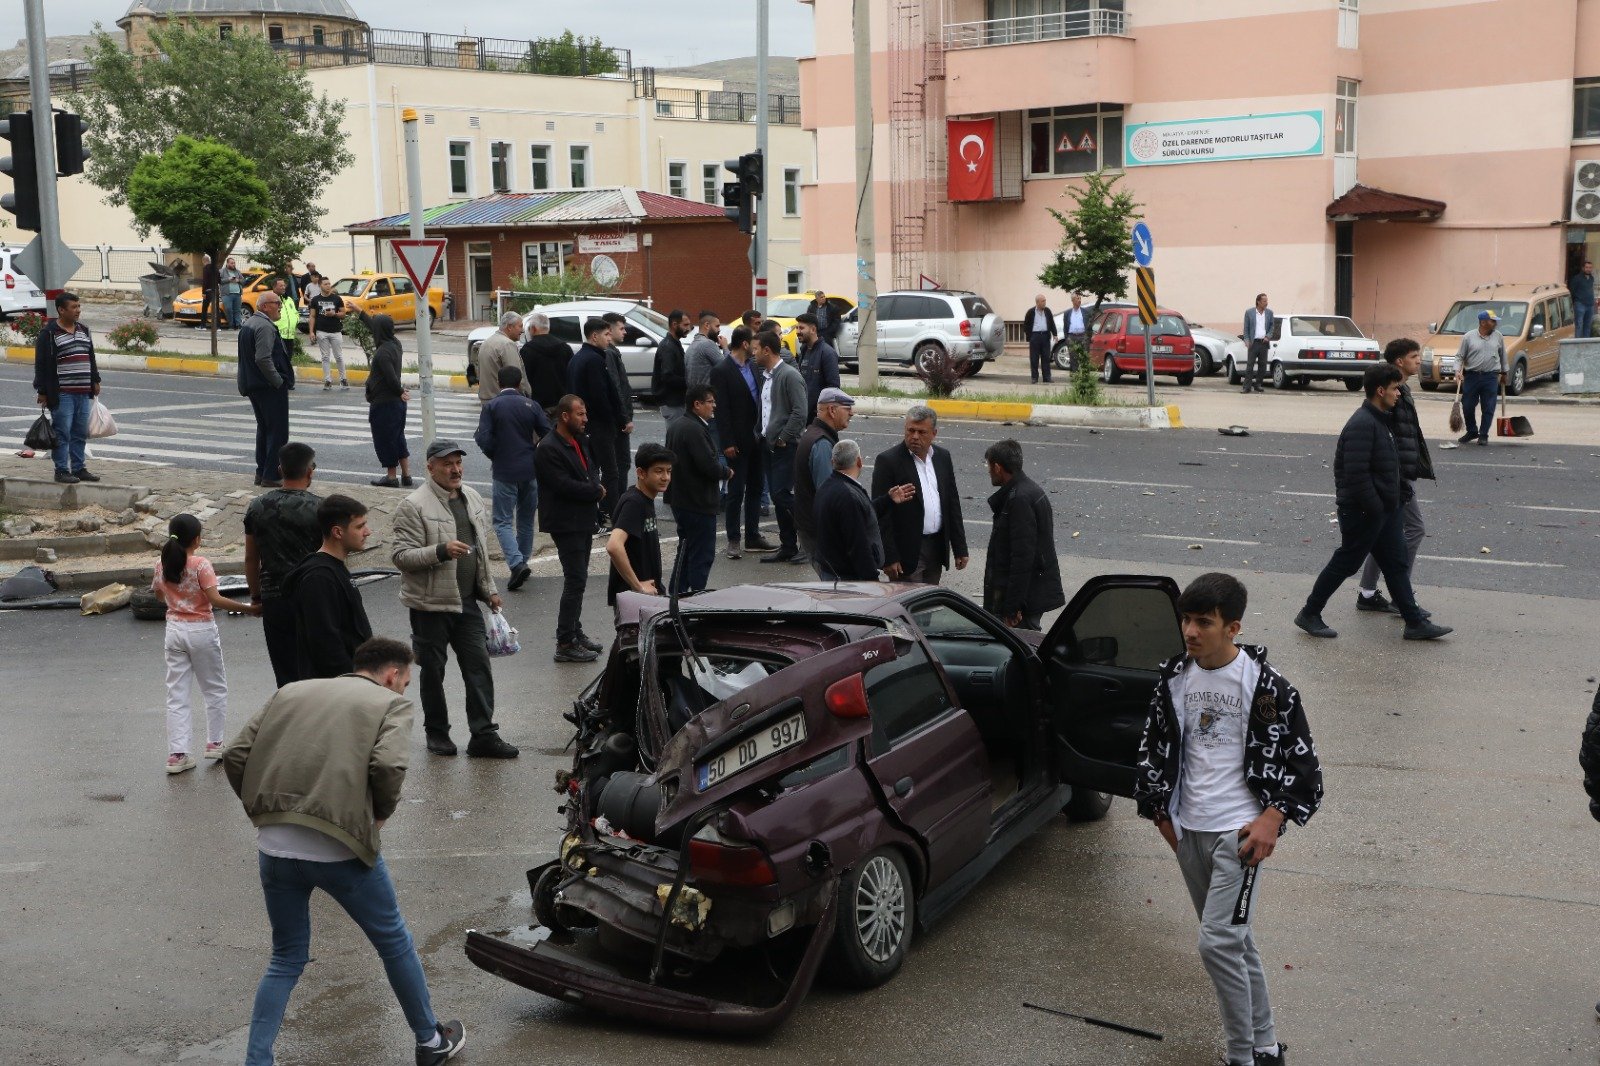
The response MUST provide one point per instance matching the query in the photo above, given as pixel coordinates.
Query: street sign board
(419, 258)
(1147, 295)
(31, 262)
(1144, 245)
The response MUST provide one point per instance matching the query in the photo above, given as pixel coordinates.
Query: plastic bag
(41, 435)
(101, 424)
(502, 637)
(112, 597)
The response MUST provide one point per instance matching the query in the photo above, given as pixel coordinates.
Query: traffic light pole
(55, 274)
(866, 235)
(414, 206)
(760, 251)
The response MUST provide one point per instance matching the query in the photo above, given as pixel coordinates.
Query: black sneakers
(586, 641)
(84, 475)
(1280, 1059)
(1375, 602)
(1426, 630)
(1313, 624)
(453, 1037)
(519, 577)
(440, 744)
(491, 746)
(575, 653)
(64, 478)
(759, 543)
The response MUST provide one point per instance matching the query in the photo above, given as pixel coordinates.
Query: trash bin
(160, 287)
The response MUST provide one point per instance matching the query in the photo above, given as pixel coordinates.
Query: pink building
(1370, 157)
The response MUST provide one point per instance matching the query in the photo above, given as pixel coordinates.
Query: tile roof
(1363, 201)
(548, 208)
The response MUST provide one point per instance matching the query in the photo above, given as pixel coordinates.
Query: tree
(1096, 249)
(201, 195)
(235, 91)
(569, 56)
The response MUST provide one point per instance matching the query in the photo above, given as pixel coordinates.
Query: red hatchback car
(1117, 345)
(771, 781)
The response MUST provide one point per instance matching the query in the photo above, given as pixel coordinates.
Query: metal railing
(1097, 21)
(720, 105)
(409, 48)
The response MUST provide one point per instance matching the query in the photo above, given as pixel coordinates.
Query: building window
(678, 179)
(1344, 117)
(500, 165)
(1349, 23)
(460, 168)
(225, 30)
(275, 34)
(546, 258)
(795, 279)
(318, 37)
(539, 167)
(1051, 20)
(711, 182)
(1074, 140)
(1586, 108)
(791, 192)
(578, 158)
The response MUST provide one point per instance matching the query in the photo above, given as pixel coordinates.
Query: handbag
(101, 424)
(501, 637)
(41, 435)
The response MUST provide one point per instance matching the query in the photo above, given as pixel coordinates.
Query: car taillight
(847, 698)
(11, 281)
(730, 865)
(966, 327)
(1122, 344)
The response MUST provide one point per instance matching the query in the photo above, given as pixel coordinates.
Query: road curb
(135, 576)
(1164, 417)
(223, 368)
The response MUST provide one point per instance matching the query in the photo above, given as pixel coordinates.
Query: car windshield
(1167, 325)
(350, 286)
(1322, 326)
(976, 306)
(788, 306)
(645, 316)
(1464, 316)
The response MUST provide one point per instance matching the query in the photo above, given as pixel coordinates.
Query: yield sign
(419, 259)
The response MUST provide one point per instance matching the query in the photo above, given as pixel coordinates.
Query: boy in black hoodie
(330, 619)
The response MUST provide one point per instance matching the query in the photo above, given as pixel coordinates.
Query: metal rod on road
(44, 150)
(866, 236)
(1149, 369)
(414, 208)
(762, 33)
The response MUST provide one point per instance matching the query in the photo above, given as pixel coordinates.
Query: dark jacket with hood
(383, 383)
(1280, 758)
(1021, 573)
(1366, 463)
(330, 620)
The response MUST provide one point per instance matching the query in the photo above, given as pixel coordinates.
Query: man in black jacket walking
(1022, 577)
(330, 618)
(922, 533)
(569, 489)
(1415, 463)
(669, 379)
(593, 384)
(697, 473)
(1371, 502)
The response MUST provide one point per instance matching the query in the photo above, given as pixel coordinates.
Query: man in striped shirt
(67, 379)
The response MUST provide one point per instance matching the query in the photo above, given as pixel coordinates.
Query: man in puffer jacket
(1406, 355)
(1371, 501)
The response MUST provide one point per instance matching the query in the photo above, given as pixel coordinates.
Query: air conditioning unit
(1586, 192)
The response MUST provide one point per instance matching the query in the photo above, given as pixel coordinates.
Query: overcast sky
(660, 32)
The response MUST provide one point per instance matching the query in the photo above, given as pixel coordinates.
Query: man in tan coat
(319, 770)
(441, 547)
(502, 349)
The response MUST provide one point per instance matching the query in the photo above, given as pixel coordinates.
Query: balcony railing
(1097, 21)
(725, 106)
(409, 48)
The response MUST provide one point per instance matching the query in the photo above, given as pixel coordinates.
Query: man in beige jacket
(502, 349)
(319, 770)
(441, 546)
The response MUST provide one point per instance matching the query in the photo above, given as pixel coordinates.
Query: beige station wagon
(1534, 319)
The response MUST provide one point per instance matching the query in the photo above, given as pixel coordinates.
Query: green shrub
(134, 335)
(28, 326)
(356, 330)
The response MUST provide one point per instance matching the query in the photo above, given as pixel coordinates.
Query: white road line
(1313, 495)
(1114, 481)
(165, 453)
(1564, 510)
(1196, 540)
(1485, 560)
(1514, 466)
(1253, 455)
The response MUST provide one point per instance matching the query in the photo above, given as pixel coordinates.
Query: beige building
(488, 124)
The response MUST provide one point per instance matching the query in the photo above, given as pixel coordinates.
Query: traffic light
(736, 205)
(738, 197)
(70, 152)
(23, 200)
(751, 173)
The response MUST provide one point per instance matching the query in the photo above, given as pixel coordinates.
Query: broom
(1457, 422)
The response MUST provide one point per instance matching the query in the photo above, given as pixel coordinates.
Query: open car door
(1102, 661)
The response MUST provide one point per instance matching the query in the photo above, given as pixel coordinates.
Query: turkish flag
(971, 155)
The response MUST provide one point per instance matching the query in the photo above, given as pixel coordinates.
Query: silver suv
(18, 295)
(914, 327)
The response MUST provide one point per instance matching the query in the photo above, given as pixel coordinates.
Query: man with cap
(441, 547)
(813, 465)
(1481, 362)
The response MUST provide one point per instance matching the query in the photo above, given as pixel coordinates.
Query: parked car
(915, 327)
(645, 329)
(1212, 348)
(1307, 348)
(1116, 344)
(386, 294)
(1534, 319)
(186, 308)
(786, 308)
(771, 781)
(18, 294)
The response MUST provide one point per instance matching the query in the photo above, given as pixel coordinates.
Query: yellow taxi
(186, 308)
(786, 308)
(386, 294)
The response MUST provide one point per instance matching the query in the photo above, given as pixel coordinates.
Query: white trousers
(194, 652)
(331, 346)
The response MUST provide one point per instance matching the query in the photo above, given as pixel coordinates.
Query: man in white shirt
(925, 529)
(1039, 323)
(1077, 331)
(1258, 323)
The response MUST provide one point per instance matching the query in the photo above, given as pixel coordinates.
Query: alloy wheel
(880, 909)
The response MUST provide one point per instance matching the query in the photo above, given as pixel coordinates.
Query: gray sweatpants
(1414, 532)
(1224, 900)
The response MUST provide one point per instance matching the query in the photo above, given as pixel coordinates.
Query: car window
(1170, 325)
(936, 307)
(904, 695)
(942, 620)
(1322, 326)
(1110, 323)
(976, 306)
(566, 328)
(788, 306)
(350, 286)
(1564, 310)
(893, 308)
(647, 317)
(380, 287)
(1126, 627)
(633, 336)
(1463, 316)
(402, 286)
(1539, 319)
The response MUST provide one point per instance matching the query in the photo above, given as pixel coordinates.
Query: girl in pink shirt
(187, 584)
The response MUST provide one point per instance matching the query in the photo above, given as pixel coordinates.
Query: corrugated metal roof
(548, 209)
(327, 8)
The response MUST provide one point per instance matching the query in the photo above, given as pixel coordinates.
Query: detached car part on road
(775, 781)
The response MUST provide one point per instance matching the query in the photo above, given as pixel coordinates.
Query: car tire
(975, 368)
(1427, 386)
(1280, 377)
(877, 911)
(1517, 380)
(1354, 385)
(1061, 355)
(1087, 805)
(1234, 377)
(1110, 372)
(922, 359)
(1204, 365)
(1186, 379)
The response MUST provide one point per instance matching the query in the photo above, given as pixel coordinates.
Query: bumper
(1327, 368)
(1130, 363)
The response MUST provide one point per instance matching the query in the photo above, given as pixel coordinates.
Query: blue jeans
(70, 417)
(367, 895)
(1479, 388)
(230, 305)
(698, 533)
(1583, 319)
(514, 503)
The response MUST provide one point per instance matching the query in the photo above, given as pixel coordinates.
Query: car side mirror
(1537, 331)
(1433, 327)
(1100, 650)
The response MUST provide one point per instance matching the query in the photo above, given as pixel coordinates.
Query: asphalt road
(1262, 503)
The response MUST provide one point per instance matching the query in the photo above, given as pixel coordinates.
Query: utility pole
(866, 237)
(55, 259)
(414, 208)
(759, 254)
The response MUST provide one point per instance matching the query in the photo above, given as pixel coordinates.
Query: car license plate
(1341, 355)
(765, 744)
(1161, 349)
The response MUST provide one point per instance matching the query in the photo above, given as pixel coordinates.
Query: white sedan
(1306, 348)
(1212, 348)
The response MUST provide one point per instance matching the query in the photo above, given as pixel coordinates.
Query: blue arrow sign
(1144, 245)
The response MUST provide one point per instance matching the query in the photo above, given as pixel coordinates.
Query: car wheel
(876, 912)
(550, 914)
(1203, 364)
(1061, 355)
(1186, 379)
(973, 369)
(1234, 377)
(1427, 386)
(1518, 380)
(1280, 377)
(1110, 372)
(926, 355)
(1087, 805)
(1354, 385)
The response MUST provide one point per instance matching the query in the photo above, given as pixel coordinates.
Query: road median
(1160, 417)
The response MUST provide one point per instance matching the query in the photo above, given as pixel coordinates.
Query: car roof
(1513, 290)
(586, 305)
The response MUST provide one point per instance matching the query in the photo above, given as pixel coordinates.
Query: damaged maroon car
(774, 781)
